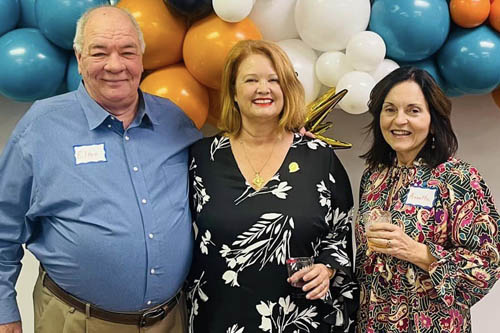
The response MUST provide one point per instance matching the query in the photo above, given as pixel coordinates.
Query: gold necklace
(257, 180)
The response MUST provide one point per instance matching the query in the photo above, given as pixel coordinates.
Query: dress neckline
(295, 138)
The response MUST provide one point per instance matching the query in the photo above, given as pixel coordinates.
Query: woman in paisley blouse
(262, 193)
(440, 254)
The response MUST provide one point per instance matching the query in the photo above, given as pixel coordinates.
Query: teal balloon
(412, 30)
(452, 91)
(28, 17)
(73, 78)
(62, 89)
(470, 60)
(9, 15)
(31, 67)
(431, 67)
(57, 18)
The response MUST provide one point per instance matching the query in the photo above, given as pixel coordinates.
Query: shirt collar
(96, 114)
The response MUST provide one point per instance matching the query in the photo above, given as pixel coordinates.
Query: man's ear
(78, 57)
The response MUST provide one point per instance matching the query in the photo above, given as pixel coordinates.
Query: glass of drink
(297, 264)
(373, 216)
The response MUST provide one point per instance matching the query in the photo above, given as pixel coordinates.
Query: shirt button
(109, 125)
(112, 118)
(144, 201)
(149, 303)
(151, 236)
(152, 271)
(135, 169)
(127, 137)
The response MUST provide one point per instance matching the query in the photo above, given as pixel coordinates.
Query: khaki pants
(54, 316)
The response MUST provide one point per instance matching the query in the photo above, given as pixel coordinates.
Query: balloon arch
(345, 44)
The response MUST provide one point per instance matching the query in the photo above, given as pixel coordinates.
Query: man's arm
(11, 328)
(16, 179)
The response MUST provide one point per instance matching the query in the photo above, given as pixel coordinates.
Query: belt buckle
(150, 317)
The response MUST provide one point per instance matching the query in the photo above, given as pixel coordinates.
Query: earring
(433, 143)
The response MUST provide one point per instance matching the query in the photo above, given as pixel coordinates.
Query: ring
(388, 243)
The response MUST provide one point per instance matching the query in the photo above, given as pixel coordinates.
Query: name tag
(90, 154)
(421, 196)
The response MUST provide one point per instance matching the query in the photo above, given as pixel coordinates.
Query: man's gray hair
(82, 22)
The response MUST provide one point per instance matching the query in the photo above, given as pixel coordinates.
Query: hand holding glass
(294, 265)
(375, 216)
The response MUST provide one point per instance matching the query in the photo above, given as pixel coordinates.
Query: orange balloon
(207, 43)
(214, 108)
(469, 13)
(496, 96)
(163, 32)
(495, 15)
(177, 84)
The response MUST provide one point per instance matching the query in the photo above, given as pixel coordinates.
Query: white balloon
(359, 85)
(385, 67)
(365, 51)
(231, 10)
(275, 19)
(331, 66)
(327, 25)
(303, 59)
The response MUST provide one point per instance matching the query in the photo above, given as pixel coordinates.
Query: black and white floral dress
(237, 282)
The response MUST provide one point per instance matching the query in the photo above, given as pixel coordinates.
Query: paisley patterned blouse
(451, 210)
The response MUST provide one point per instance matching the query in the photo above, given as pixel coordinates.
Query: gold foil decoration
(317, 112)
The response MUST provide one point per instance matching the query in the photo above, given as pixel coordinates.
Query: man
(94, 182)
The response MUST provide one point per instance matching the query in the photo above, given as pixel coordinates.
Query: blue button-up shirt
(103, 208)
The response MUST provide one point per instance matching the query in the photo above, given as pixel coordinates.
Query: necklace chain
(257, 180)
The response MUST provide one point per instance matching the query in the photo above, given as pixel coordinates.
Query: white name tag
(421, 196)
(90, 154)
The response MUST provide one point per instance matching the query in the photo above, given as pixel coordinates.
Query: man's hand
(11, 327)
(303, 131)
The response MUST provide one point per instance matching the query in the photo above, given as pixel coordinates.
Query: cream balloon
(303, 59)
(359, 85)
(328, 25)
(365, 51)
(275, 19)
(331, 66)
(385, 67)
(231, 10)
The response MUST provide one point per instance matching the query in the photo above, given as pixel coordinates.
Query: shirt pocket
(176, 182)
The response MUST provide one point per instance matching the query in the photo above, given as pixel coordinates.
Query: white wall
(476, 121)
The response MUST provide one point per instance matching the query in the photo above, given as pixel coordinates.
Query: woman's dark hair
(445, 141)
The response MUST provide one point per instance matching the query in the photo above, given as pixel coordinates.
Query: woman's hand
(317, 280)
(392, 240)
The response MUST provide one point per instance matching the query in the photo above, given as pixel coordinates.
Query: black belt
(142, 319)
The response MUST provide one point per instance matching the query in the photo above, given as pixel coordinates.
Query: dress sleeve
(192, 190)
(336, 250)
(197, 194)
(363, 183)
(466, 269)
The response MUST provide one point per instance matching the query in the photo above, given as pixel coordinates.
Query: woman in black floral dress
(440, 253)
(261, 194)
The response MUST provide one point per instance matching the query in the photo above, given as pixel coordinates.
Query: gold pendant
(258, 181)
